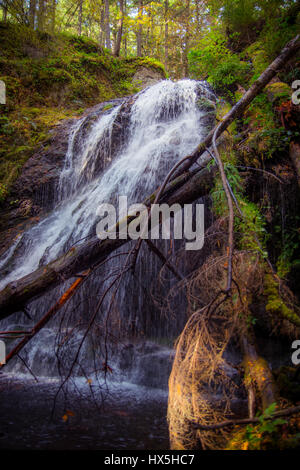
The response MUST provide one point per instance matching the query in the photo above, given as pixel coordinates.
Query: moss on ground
(49, 78)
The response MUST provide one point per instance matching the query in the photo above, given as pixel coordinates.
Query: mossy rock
(206, 105)
(275, 305)
(223, 107)
(278, 92)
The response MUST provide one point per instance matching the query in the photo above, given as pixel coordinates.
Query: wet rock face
(145, 77)
(34, 192)
(41, 171)
(208, 109)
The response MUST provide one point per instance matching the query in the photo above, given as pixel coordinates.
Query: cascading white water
(164, 124)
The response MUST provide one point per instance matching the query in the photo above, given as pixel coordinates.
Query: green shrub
(213, 61)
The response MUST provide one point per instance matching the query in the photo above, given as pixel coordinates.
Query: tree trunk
(102, 27)
(139, 31)
(125, 30)
(107, 25)
(186, 41)
(53, 16)
(257, 373)
(79, 27)
(41, 15)
(117, 47)
(4, 11)
(166, 34)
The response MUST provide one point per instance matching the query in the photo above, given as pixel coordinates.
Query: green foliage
(258, 56)
(273, 22)
(267, 426)
(3, 192)
(277, 32)
(290, 244)
(250, 227)
(267, 137)
(6, 127)
(246, 36)
(229, 73)
(269, 433)
(238, 15)
(261, 111)
(275, 305)
(212, 60)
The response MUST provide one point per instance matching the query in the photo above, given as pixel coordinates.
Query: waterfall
(124, 150)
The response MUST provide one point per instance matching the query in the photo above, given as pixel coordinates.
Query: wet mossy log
(258, 376)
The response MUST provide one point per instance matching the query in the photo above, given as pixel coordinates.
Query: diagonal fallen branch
(186, 162)
(47, 317)
(285, 55)
(165, 261)
(17, 294)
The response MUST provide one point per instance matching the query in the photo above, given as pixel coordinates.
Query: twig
(27, 366)
(166, 262)
(239, 422)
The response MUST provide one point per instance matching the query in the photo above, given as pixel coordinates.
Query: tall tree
(4, 10)
(139, 30)
(53, 15)
(117, 46)
(102, 26)
(41, 15)
(166, 5)
(186, 39)
(79, 29)
(107, 25)
(32, 13)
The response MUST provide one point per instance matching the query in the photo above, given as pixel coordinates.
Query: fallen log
(15, 296)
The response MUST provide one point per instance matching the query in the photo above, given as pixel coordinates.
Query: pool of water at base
(121, 416)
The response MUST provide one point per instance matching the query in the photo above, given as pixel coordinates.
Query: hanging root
(198, 371)
(204, 386)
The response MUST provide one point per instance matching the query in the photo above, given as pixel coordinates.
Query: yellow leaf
(245, 446)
